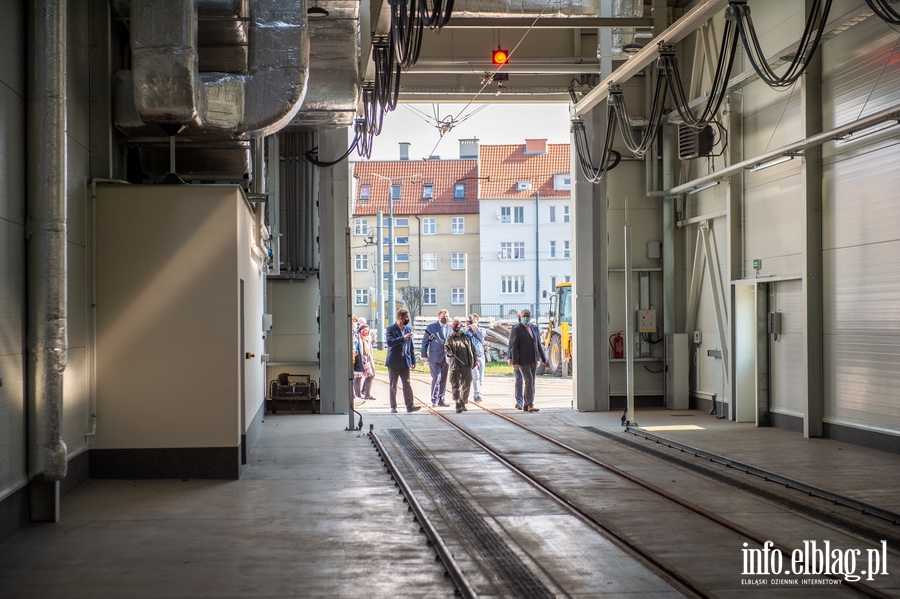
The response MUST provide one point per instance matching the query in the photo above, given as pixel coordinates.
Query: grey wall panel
(862, 287)
(772, 213)
(77, 296)
(12, 425)
(78, 89)
(12, 289)
(12, 156)
(77, 192)
(75, 409)
(786, 389)
(862, 380)
(12, 42)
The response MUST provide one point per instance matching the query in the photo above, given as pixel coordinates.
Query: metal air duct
(46, 246)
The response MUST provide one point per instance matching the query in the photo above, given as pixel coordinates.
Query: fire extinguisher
(617, 344)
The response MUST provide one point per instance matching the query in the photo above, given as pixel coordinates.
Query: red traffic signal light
(500, 56)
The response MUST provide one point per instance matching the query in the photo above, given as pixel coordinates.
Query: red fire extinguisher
(617, 344)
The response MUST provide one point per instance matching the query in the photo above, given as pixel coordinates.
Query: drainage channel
(453, 570)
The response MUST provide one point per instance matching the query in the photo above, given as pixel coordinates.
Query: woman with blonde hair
(363, 365)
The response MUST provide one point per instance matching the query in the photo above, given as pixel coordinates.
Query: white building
(525, 224)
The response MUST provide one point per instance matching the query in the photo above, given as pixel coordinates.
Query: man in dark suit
(433, 351)
(400, 358)
(526, 352)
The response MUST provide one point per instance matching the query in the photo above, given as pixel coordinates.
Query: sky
(490, 123)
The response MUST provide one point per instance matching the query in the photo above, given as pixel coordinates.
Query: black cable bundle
(617, 98)
(406, 31)
(809, 41)
(438, 15)
(720, 80)
(609, 159)
(884, 11)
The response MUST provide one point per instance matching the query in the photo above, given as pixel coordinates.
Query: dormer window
(523, 185)
(428, 191)
(395, 191)
(365, 191)
(459, 191)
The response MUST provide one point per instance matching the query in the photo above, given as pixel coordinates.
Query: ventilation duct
(694, 144)
(262, 49)
(333, 91)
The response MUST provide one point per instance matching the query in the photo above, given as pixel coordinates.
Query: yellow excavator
(558, 337)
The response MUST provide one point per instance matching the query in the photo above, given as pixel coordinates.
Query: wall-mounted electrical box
(267, 322)
(698, 337)
(646, 321)
(654, 250)
(774, 325)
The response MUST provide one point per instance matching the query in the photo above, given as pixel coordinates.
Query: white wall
(169, 260)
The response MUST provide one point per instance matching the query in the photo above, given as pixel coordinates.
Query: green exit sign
(757, 263)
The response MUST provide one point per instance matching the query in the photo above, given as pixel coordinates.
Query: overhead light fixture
(632, 48)
(499, 56)
(316, 12)
(700, 188)
(865, 132)
(768, 163)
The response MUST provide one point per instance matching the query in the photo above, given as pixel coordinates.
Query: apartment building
(525, 223)
(434, 208)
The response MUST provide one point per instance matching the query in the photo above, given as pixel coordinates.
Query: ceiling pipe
(47, 328)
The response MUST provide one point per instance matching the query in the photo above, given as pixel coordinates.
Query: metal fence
(508, 310)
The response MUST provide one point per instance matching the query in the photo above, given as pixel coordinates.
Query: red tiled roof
(442, 174)
(503, 165)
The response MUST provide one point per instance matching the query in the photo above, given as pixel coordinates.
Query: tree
(412, 295)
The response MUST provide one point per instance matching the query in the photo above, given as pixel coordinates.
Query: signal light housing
(500, 56)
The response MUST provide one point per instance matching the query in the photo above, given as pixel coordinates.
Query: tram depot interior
(162, 235)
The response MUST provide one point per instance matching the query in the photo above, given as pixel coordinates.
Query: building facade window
(429, 261)
(429, 226)
(512, 284)
(361, 297)
(552, 284)
(401, 241)
(512, 214)
(458, 296)
(565, 214)
(457, 225)
(562, 182)
(401, 257)
(552, 214)
(396, 190)
(361, 226)
(365, 191)
(566, 253)
(512, 250)
(402, 275)
(459, 191)
(401, 222)
(457, 261)
(428, 191)
(429, 296)
(568, 279)
(361, 262)
(553, 249)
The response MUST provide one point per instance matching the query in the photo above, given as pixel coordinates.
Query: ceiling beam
(546, 22)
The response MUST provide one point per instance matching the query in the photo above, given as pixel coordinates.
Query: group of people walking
(454, 350)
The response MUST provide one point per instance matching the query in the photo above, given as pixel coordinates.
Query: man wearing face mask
(433, 352)
(400, 358)
(461, 354)
(525, 354)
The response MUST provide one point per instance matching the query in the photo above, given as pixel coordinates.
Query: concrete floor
(316, 515)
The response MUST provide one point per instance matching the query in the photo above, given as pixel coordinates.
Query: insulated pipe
(46, 245)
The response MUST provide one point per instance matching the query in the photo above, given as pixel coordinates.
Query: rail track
(518, 579)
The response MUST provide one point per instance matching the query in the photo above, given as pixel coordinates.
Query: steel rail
(856, 586)
(673, 577)
(444, 553)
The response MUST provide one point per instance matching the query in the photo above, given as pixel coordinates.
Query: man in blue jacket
(433, 351)
(400, 358)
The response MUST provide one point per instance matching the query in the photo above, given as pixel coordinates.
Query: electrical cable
(609, 158)
(639, 148)
(884, 11)
(739, 11)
